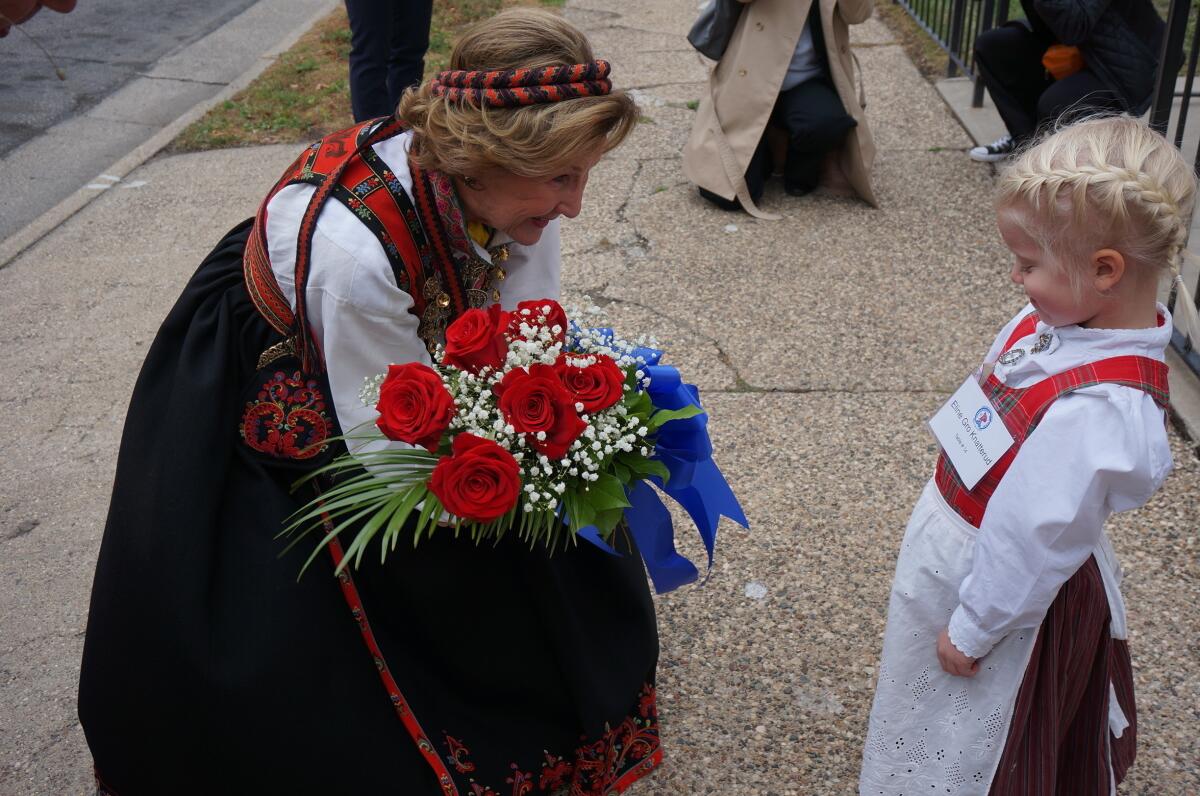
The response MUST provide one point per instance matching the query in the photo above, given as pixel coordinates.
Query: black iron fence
(954, 25)
(1169, 115)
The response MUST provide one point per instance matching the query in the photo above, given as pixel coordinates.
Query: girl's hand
(952, 661)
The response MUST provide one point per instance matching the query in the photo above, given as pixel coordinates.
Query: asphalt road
(100, 46)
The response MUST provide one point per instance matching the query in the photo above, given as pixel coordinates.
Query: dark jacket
(1120, 41)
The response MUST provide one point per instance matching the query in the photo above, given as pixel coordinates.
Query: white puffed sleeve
(359, 317)
(1098, 450)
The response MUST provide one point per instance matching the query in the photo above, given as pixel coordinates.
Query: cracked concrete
(821, 343)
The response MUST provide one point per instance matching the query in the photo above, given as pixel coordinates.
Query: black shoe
(998, 150)
(721, 201)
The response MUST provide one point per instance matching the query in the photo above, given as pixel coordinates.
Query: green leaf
(431, 512)
(642, 467)
(392, 534)
(607, 520)
(607, 493)
(579, 510)
(664, 416)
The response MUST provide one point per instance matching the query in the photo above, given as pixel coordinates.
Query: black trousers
(1009, 59)
(388, 40)
(815, 121)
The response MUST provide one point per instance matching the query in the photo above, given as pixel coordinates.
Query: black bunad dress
(453, 668)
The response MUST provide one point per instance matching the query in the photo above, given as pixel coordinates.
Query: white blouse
(1098, 450)
(359, 317)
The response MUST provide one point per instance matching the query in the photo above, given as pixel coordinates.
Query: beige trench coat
(745, 83)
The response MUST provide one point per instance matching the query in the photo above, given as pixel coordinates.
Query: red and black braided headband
(511, 88)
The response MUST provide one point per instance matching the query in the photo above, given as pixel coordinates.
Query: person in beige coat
(775, 44)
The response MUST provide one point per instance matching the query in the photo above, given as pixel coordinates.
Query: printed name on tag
(971, 432)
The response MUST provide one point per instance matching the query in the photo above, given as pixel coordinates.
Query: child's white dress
(1099, 449)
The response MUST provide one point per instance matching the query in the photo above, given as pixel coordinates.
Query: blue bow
(695, 482)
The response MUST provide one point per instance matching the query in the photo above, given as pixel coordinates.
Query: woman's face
(523, 206)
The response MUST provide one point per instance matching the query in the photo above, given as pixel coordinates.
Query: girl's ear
(1107, 268)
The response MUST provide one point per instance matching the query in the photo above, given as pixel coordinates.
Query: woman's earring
(472, 183)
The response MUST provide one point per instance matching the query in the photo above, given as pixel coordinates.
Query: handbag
(713, 29)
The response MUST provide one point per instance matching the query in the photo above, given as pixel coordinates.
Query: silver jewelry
(1011, 356)
(1043, 343)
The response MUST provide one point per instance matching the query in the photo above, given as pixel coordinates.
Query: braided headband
(511, 88)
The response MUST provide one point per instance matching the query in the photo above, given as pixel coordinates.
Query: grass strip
(305, 94)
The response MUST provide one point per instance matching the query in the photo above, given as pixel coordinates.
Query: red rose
(597, 386)
(477, 339)
(535, 400)
(479, 481)
(542, 312)
(414, 405)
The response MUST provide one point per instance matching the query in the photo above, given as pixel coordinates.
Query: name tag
(971, 432)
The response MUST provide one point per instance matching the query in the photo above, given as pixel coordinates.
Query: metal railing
(1169, 115)
(954, 25)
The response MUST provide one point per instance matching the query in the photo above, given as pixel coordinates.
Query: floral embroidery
(288, 420)
(599, 767)
(458, 755)
(522, 783)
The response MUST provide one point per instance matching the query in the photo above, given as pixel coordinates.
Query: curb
(23, 239)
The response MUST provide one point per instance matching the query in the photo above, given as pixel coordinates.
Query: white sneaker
(999, 149)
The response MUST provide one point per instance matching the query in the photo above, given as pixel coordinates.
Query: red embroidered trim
(289, 418)
(410, 722)
(602, 767)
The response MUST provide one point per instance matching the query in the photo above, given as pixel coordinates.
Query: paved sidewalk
(821, 343)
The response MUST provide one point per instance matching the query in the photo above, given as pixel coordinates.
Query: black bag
(712, 31)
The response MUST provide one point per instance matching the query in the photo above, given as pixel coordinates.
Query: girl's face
(1046, 283)
(523, 206)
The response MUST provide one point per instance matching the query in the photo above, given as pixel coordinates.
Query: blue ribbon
(695, 483)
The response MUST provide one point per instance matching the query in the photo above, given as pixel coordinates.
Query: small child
(1005, 667)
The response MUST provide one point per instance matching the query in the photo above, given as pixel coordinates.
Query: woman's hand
(952, 661)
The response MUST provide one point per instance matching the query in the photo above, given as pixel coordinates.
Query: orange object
(1062, 61)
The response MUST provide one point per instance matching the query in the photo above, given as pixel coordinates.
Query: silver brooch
(1012, 356)
(1043, 343)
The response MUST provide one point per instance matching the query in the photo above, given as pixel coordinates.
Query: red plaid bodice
(1022, 408)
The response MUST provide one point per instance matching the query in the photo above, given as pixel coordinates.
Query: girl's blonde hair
(458, 138)
(1106, 182)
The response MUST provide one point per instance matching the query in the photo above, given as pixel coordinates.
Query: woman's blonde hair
(459, 138)
(1106, 182)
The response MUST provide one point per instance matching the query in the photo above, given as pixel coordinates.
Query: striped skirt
(1059, 741)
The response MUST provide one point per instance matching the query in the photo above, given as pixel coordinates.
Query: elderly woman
(788, 66)
(454, 668)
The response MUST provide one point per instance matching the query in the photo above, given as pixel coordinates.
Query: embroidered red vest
(418, 242)
(1023, 408)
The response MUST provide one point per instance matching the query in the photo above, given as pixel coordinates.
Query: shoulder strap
(1026, 327)
(322, 165)
(371, 191)
(1140, 373)
(333, 148)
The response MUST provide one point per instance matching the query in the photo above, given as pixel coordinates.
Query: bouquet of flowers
(527, 424)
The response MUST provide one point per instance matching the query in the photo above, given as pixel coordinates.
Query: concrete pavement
(821, 343)
(47, 177)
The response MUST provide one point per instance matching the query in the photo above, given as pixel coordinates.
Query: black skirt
(208, 668)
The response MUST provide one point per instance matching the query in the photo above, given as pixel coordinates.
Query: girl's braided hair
(1106, 182)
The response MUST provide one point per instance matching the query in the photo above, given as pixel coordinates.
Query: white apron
(929, 731)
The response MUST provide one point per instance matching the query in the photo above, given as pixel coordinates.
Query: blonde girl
(1005, 666)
